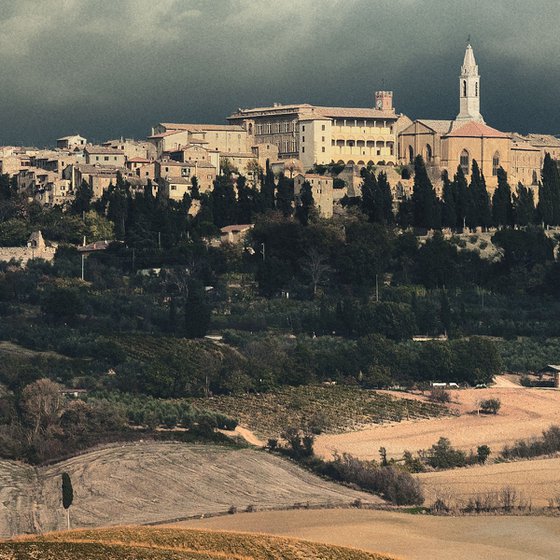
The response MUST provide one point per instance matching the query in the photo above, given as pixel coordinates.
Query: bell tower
(469, 89)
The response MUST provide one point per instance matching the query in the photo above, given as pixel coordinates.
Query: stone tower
(469, 89)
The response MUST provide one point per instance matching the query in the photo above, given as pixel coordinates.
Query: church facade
(447, 144)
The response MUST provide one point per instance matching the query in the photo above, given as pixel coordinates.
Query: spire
(469, 67)
(469, 89)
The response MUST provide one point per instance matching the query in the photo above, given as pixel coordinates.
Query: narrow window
(464, 88)
(464, 162)
(495, 164)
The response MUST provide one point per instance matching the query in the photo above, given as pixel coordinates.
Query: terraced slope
(331, 409)
(137, 543)
(154, 481)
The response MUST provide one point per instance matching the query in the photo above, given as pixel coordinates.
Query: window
(106, 158)
(495, 164)
(96, 158)
(322, 138)
(464, 88)
(303, 128)
(535, 179)
(322, 127)
(259, 129)
(323, 149)
(173, 188)
(303, 149)
(303, 138)
(464, 161)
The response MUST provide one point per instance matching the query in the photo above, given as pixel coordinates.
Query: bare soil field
(537, 480)
(524, 413)
(154, 481)
(406, 536)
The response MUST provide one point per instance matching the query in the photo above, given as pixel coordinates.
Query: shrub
(482, 453)
(443, 456)
(439, 395)
(490, 406)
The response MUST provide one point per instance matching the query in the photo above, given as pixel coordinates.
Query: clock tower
(469, 89)
(384, 101)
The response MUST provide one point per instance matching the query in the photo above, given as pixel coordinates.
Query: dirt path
(152, 482)
(524, 413)
(409, 537)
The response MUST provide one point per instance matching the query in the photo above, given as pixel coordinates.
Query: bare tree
(315, 266)
(42, 404)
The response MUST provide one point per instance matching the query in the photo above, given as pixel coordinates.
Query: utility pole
(83, 259)
(263, 251)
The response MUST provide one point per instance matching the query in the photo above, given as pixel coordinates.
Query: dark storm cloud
(112, 67)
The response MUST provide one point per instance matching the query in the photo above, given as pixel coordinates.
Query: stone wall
(25, 254)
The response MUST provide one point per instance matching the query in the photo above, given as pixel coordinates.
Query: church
(446, 144)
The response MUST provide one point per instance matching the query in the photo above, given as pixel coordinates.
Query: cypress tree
(449, 209)
(285, 195)
(502, 206)
(424, 200)
(67, 495)
(462, 198)
(368, 201)
(478, 213)
(523, 206)
(385, 198)
(549, 193)
(306, 204)
(82, 200)
(268, 188)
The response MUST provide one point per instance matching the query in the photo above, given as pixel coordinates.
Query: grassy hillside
(320, 408)
(172, 544)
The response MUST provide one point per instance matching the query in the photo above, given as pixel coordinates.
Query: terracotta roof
(440, 126)
(139, 160)
(234, 228)
(361, 113)
(164, 134)
(476, 129)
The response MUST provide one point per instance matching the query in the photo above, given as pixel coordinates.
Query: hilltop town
(311, 321)
(325, 146)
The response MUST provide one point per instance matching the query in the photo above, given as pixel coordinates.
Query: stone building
(72, 142)
(322, 190)
(314, 134)
(103, 156)
(447, 144)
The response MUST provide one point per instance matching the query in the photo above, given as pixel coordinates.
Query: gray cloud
(105, 67)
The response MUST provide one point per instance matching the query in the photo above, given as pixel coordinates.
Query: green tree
(223, 201)
(549, 193)
(306, 205)
(449, 207)
(523, 206)
(285, 195)
(385, 198)
(268, 189)
(502, 205)
(426, 206)
(478, 213)
(462, 197)
(197, 312)
(67, 495)
(83, 198)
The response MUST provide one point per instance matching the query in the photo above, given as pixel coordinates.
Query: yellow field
(139, 543)
(406, 536)
(524, 413)
(536, 481)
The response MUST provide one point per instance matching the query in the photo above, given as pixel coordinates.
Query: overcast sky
(106, 68)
